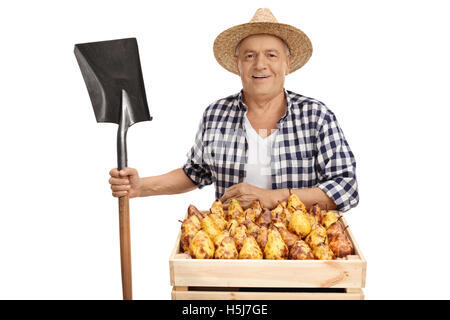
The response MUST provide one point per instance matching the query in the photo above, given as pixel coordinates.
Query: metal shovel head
(108, 67)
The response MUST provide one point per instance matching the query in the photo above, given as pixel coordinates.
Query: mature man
(265, 141)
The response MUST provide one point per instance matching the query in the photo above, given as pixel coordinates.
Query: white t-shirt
(259, 152)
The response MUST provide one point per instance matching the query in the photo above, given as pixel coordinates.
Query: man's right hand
(125, 182)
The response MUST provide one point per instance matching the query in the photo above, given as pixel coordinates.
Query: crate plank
(183, 293)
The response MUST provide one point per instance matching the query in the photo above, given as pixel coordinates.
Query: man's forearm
(308, 196)
(173, 182)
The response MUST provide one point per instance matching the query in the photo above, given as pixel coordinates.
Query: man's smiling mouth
(260, 77)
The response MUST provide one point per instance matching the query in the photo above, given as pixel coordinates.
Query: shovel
(113, 76)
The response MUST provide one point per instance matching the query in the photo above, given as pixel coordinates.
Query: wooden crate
(267, 279)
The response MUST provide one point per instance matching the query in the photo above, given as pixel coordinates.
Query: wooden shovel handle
(125, 247)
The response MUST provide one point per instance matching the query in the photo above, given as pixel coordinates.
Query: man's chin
(261, 91)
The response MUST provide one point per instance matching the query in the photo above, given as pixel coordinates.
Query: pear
(218, 239)
(201, 246)
(250, 214)
(210, 227)
(335, 229)
(265, 218)
(312, 220)
(328, 218)
(279, 214)
(217, 208)
(316, 212)
(219, 220)
(277, 210)
(275, 248)
(294, 202)
(233, 208)
(317, 236)
(299, 224)
(341, 246)
(262, 237)
(300, 251)
(288, 214)
(323, 252)
(231, 226)
(252, 228)
(250, 249)
(195, 220)
(189, 229)
(239, 236)
(289, 238)
(257, 208)
(192, 210)
(239, 216)
(226, 249)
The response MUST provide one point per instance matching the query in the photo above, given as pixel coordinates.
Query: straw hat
(262, 22)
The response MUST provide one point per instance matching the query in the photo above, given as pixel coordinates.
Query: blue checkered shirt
(309, 151)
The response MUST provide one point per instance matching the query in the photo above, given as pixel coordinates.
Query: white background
(381, 66)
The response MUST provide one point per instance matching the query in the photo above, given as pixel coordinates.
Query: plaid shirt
(309, 151)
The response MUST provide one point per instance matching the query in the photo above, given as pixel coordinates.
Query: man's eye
(249, 56)
(272, 55)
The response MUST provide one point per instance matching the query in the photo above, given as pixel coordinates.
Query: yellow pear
(341, 246)
(289, 238)
(300, 251)
(335, 230)
(188, 230)
(220, 237)
(250, 249)
(323, 252)
(250, 214)
(195, 220)
(265, 218)
(201, 246)
(299, 224)
(226, 249)
(328, 218)
(233, 208)
(262, 237)
(210, 227)
(294, 203)
(239, 216)
(275, 248)
(257, 208)
(288, 215)
(252, 228)
(217, 208)
(192, 210)
(316, 212)
(239, 236)
(231, 226)
(220, 222)
(277, 210)
(317, 236)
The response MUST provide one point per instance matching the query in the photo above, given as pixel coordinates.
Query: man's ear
(288, 62)
(236, 63)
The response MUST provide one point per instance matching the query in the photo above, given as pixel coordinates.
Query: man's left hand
(245, 193)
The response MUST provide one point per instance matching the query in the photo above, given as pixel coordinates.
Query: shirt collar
(239, 103)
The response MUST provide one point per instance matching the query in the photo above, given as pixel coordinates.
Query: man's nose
(260, 62)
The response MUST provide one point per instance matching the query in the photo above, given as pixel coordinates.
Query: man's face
(262, 64)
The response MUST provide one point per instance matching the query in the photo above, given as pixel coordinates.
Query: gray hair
(236, 52)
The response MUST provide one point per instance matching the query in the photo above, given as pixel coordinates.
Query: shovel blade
(108, 67)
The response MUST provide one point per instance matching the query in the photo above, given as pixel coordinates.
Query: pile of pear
(287, 231)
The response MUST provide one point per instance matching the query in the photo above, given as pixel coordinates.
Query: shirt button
(241, 175)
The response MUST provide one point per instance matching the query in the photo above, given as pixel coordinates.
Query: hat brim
(300, 46)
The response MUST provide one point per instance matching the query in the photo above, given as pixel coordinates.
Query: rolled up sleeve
(336, 165)
(196, 167)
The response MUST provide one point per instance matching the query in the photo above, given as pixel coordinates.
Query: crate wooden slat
(185, 273)
(209, 293)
